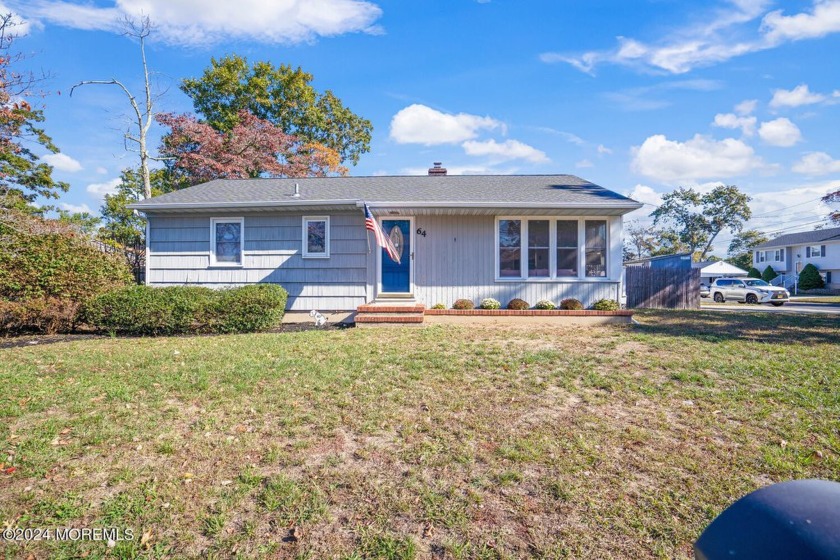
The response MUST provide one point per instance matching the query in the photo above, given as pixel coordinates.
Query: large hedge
(144, 310)
(754, 273)
(810, 279)
(48, 270)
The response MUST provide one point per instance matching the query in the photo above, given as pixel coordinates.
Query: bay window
(551, 248)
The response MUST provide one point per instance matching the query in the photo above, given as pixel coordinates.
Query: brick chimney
(437, 170)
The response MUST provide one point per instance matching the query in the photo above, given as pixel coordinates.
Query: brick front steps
(374, 315)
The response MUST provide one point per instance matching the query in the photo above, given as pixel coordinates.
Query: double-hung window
(510, 248)
(545, 248)
(316, 237)
(567, 248)
(596, 247)
(815, 251)
(227, 241)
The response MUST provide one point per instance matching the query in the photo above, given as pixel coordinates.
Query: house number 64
(421, 231)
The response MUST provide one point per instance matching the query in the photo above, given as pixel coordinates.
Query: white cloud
(731, 120)
(798, 96)
(746, 107)
(817, 163)
(204, 22)
(604, 150)
(584, 163)
(780, 132)
(509, 149)
(648, 98)
(101, 170)
(698, 158)
(76, 208)
(20, 26)
(419, 124)
(821, 21)
(647, 196)
(101, 189)
(62, 162)
(725, 33)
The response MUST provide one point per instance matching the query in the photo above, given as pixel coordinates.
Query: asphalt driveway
(789, 307)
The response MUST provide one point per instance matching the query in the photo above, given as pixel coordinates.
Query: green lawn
(610, 442)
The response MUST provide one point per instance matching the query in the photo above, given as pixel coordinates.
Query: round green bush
(606, 305)
(438, 306)
(490, 303)
(518, 304)
(810, 279)
(754, 273)
(571, 304)
(145, 310)
(545, 304)
(463, 304)
(768, 274)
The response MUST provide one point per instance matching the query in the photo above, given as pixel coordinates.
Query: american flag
(381, 239)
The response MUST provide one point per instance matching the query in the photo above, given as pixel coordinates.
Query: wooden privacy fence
(662, 288)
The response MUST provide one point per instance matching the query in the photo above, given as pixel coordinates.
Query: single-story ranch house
(531, 237)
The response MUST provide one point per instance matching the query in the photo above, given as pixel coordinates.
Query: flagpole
(367, 235)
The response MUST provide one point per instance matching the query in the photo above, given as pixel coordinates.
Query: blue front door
(396, 276)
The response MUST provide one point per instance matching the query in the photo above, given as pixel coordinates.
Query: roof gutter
(632, 204)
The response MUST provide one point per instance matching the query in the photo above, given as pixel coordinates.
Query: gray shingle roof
(802, 238)
(462, 190)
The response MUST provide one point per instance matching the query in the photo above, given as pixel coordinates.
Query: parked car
(704, 291)
(748, 290)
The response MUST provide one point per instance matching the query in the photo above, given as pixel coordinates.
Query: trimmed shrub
(463, 304)
(606, 305)
(438, 306)
(571, 304)
(38, 315)
(768, 274)
(754, 273)
(490, 303)
(810, 279)
(545, 304)
(518, 304)
(144, 310)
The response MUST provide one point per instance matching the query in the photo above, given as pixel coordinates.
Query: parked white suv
(748, 290)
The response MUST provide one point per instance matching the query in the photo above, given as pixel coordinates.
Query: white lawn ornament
(320, 320)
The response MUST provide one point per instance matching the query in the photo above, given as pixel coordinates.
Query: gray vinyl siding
(456, 259)
(179, 253)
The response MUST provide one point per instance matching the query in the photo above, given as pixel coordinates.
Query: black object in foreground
(798, 519)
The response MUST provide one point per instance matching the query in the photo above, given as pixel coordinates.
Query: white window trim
(819, 254)
(213, 262)
(552, 254)
(305, 247)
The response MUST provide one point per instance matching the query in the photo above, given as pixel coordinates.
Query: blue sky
(639, 97)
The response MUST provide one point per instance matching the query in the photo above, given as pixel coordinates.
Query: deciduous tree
(281, 95)
(253, 147)
(23, 176)
(741, 247)
(699, 218)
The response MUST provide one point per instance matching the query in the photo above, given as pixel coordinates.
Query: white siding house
(505, 237)
(788, 254)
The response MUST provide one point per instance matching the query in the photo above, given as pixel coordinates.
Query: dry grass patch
(444, 442)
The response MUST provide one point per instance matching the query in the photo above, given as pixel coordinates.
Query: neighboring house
(788, 254)
(531, 237)
(712, 270)
(675, 261)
